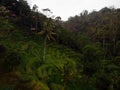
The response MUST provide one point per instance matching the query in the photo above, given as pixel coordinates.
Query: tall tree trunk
(44, 49)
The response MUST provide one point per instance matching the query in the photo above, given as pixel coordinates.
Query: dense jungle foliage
(41, 53)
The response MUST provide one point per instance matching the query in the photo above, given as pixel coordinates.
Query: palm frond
(41, 33)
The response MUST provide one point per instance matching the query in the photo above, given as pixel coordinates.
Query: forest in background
(44, 53)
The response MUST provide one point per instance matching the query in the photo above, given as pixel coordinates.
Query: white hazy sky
(67, 8)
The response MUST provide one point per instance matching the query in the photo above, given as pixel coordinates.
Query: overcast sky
(67, 8)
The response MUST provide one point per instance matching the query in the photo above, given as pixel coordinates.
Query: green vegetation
(40, 53)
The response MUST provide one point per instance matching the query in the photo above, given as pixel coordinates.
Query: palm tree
(48, 33)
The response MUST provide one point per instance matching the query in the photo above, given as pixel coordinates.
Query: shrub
(12, 61)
